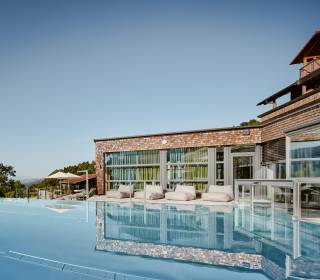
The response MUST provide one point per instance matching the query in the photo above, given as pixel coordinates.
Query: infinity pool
(98, 240)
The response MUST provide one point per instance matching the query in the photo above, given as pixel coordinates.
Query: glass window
(243, 149)
(308, 149)
(220, 155)
(220, 171)
(280, 170)
(305, 159)
(220, 166)
(188, 166)
(188, 155)
(305, 168)
(243, 167)
(134, 167)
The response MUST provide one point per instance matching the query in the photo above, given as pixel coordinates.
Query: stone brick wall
(233, 136)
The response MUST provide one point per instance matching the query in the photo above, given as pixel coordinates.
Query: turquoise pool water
(97, 240)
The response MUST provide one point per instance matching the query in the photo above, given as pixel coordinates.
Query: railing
(309, 68)
(260, 190)
(302, 195)
(307, 199)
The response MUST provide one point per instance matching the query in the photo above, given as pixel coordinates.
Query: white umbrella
(62, 175)
(70, 175)
(58, 175)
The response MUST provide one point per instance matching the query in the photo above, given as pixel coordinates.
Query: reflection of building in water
(176, 225)
(180, 233)
(294, 245)
(254, 238)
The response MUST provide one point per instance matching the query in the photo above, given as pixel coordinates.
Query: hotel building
(285, 145)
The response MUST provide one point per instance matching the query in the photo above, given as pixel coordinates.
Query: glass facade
(132, 167)
(196, 166)
(188, 166)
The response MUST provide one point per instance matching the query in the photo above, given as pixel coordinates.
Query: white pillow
(216, 197)
(154, 189)
(126, 189)
(228, 189)
(186, 189)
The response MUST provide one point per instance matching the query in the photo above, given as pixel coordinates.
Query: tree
(6, 172)
(8, 186)
(252, 122)
(6, 182)
(86, 165)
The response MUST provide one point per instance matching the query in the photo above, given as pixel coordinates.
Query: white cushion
(217, 197)
(228, 189)
(186, 189)
(184, 196)
(116, 194)
(154, 189)
(126, 189)
(149, 195)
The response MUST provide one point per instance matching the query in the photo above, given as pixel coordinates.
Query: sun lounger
(182, 193)
(82, 195)
(219, 193)
(152, 192)
(124, 191)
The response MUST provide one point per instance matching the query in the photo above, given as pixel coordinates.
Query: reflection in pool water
(259, 237)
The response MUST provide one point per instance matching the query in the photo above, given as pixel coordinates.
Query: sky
(73, 71)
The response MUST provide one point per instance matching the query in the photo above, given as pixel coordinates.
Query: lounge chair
(152, 192)
(81, 195)
(124, 191)
(219, 193)
(182, 193)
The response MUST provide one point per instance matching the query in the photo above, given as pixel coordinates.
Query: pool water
(98, 240)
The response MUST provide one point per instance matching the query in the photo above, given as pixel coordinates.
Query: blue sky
(75, 70)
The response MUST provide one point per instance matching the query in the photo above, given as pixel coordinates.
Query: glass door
(242, 167)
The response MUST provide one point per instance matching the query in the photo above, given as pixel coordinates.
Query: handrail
(309, 180)
(293, 184)
(309, 68)
(310, 62)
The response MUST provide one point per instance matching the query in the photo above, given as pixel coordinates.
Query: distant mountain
(30, 182)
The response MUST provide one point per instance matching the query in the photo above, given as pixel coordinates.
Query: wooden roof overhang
(81, 179)
(311, 48)
(294, 87)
